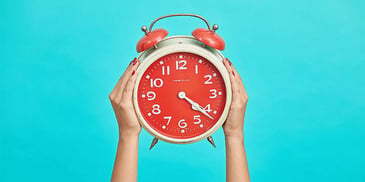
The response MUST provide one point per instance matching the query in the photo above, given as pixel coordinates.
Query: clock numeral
(168, 119)
(196, 69)
(182, 123)
(207, 108)
(151, 95)
(156, 109)
(166, 70)
(208, 79)
(214, 93)
(181, 65)
(158, 82)
(197, 119)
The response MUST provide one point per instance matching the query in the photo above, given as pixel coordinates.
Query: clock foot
(211, 141)
(154, 141)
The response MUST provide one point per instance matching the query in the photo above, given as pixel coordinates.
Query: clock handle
(192, 15)
(206, 36)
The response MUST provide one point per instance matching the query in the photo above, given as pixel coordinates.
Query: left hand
(233, 127)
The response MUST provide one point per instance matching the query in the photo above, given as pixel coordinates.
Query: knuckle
(235, 89)
(111, 97)
(245, 98)
(128, 89)
(125, 101)
(125, 105)
(238, 105)
(125, 95)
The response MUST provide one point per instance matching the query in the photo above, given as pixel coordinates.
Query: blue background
(303, 65)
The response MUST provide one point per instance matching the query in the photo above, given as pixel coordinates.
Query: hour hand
(195, 106)
(200, 108)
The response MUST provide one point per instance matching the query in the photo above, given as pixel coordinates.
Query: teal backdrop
(302, 62)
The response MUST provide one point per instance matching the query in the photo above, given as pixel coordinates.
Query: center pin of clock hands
(195, 106)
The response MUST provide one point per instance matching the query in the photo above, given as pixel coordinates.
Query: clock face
(181, 95)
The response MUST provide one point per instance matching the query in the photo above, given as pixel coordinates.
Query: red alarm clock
(182, 92)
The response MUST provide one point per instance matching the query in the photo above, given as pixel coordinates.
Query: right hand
(122, 102)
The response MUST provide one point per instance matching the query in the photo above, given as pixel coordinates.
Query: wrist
(127, 134)
(234, 136)
(128, 139)
(228, 132)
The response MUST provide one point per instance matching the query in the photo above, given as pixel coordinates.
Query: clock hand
(204, 112)
(195, 106)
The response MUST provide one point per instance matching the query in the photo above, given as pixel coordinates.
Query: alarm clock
(182, 92)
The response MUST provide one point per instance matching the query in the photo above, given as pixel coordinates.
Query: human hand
(234, 123)
(121, 100)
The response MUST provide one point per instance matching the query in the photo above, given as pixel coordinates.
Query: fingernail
(133, 62)
(230, 64)
(233, 73)
(133, 72)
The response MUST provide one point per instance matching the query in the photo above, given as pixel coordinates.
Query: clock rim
(189, 45)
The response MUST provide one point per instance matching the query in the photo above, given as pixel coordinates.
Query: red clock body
(181, 95)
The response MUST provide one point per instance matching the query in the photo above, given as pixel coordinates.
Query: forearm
(237, 169)
(126, 160)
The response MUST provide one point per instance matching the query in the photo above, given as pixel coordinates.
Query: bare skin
(237, 169)
(126, 161)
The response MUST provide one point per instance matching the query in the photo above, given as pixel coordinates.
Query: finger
(127, 74)
(116, 88)
(238, 79)
(235, 86)
(128, 89)
(227, 64)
